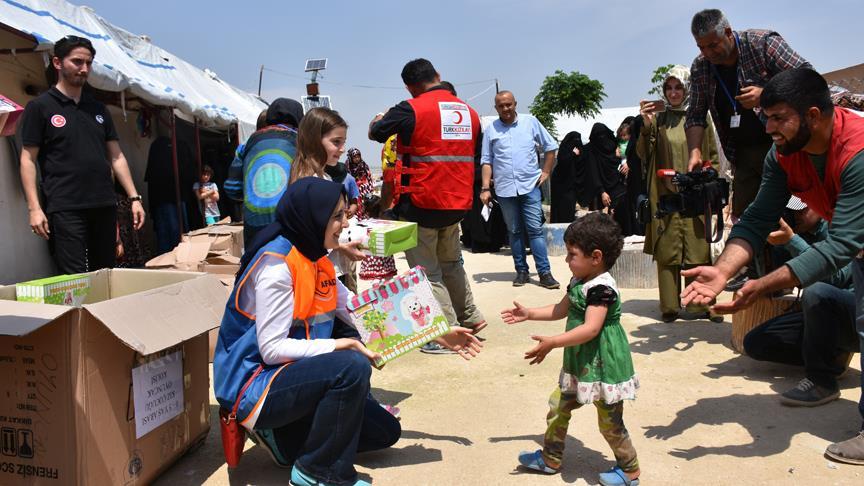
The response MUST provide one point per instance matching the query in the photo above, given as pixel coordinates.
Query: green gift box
(59, 290)
(382, 237)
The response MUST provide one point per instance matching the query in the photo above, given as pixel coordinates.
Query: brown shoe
(849, 451)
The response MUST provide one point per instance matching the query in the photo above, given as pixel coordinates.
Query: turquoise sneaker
(264, 438)
(534, 461)
(299, 478)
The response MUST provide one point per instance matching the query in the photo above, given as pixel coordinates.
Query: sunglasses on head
(74, 39)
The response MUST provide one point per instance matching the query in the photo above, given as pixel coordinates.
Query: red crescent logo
(458, 117)
(58, 121)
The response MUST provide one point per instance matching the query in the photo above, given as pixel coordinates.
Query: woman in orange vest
(287, 363)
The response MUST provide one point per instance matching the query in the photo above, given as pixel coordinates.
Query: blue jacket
(260, 171)
(237, 355)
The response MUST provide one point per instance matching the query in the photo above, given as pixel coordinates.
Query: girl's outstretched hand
(514, 315)
(461, 340)
(538, 353)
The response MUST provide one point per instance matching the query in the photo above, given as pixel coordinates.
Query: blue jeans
(524, 213)
(858, 279)
(820, 336)
(321, 414)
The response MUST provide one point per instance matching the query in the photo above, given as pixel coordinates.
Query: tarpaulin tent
(131, 63)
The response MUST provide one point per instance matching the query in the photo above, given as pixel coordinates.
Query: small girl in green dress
(597, 365)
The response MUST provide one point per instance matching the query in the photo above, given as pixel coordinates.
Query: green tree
(658, 77)
(569, 94)
(374, 321)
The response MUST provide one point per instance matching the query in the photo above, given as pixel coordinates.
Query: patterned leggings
(610, 418)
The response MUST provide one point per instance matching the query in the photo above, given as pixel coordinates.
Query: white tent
(611, 117)
(126, 62)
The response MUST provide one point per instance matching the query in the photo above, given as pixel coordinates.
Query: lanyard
(723, 85)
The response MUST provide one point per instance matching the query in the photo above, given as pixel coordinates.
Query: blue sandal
(617, 477)
(534, 461)
(299, 478)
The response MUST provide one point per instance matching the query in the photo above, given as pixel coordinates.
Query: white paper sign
(455, 121)
(157, 389)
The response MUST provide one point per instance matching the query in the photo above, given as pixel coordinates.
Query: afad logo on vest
(326, 288)
(58, 121)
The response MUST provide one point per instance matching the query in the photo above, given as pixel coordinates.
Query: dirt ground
(704, 414)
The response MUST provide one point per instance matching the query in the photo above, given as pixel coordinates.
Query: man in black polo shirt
(75, 143)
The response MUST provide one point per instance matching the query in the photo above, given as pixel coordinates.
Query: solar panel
(316, 64)
(310, 102)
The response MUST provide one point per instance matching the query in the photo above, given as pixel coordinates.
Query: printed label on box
(158, 392)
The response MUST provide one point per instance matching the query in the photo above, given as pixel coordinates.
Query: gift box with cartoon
(398, 315)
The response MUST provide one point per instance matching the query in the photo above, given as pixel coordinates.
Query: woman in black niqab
(568, 178)
(602, 173)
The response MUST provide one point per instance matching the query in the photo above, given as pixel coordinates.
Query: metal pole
(496, 86)
(176, 173)
(198, 148)
(260, 79)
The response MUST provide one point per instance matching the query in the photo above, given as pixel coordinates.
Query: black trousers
(83, 240)
(821, 336)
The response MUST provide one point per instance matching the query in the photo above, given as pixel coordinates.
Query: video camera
(701, 192)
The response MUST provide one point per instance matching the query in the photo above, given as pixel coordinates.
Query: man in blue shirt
(510, 146)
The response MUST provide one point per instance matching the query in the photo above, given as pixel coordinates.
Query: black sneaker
(434, 348)
(808, 394)
(735, 283)
(521, 279)
(548, 281)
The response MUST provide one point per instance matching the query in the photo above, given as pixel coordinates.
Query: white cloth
(274, 313)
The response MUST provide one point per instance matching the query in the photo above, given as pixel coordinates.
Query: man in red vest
(437, 139)
(818, 155)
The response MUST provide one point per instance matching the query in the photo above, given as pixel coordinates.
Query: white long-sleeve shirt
(274, 313)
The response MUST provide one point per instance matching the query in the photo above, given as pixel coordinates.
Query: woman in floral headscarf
(372, 267)
(674, 241)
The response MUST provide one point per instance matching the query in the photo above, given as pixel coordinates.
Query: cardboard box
(224, 238)
(219, 244)
(71, 412)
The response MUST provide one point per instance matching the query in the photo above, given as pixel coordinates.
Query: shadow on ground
(493, 277)
(659, 337)
(579, 461)
(781, 377)
(770, 425)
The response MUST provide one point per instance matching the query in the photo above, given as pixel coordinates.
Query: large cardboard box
(71, 412)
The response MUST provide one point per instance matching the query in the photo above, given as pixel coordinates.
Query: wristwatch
(485, 189)
(136, 197)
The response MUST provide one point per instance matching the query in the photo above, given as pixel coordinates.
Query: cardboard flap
(22, 318)
(218, 229)
(192, 251)
(174, 313)
(219, 259)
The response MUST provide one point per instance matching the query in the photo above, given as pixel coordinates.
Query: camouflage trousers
(610, 419)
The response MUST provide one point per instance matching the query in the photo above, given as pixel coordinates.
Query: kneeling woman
(286, 347)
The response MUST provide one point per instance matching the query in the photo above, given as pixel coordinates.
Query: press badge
(735, 121)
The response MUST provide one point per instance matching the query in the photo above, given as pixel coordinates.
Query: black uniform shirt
(73, 158)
